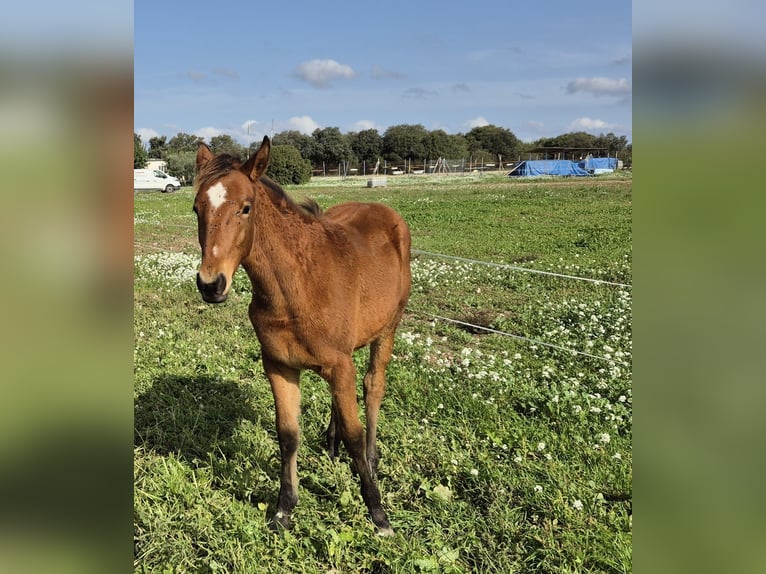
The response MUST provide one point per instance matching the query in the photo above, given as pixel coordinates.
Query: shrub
(287, 166)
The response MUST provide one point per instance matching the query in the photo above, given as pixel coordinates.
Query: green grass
(497, 455)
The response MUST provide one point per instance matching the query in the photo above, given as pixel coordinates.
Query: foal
(324, 284)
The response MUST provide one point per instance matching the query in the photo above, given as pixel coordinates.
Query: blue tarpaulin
(599, 164)
(531, 168)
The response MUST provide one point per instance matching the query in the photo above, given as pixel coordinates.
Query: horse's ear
(204, 155)
(256, 166)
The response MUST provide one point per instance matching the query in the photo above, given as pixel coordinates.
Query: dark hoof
(280, 522)
(380, 520)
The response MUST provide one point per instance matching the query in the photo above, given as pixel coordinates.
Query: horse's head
(224, 205)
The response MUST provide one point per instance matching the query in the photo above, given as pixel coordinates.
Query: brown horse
(324, 285)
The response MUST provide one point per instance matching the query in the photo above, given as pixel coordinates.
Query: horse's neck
(282, 239)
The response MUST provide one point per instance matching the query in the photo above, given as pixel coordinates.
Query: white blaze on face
(217, 195)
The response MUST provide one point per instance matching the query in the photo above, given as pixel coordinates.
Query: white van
(146, 179)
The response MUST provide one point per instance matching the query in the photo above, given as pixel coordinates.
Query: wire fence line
(511, 335)
(519, 337)
(517, 268)
(489, 329)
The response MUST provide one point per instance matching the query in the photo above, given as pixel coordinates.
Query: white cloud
(600, 86)
(146, 134)
(303, 124)
(319, 73)
(363, 125)
(591, 124)
(208, 132)
(249, 126)
(479, 122)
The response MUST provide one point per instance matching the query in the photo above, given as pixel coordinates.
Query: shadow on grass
(200, 419)
(191, 416)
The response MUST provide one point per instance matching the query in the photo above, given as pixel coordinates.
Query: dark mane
(224, 164)
(306, 206)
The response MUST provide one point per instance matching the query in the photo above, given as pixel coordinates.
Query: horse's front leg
(287, 402)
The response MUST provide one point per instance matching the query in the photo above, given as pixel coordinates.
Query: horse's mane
(225, 163)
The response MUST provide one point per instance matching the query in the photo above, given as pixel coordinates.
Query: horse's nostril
(212, 292)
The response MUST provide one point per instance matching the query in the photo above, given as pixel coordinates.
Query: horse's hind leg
(342, 379)
(333, 436)
(374, 389)
(287, 400)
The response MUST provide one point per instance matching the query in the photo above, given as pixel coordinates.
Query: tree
(184, 142)
(182, 164)
(140, 157)
(158, 147)
(405, 142)
(616, 146)
(492, 141)
(571, 139)
(626, 155)
(300, 141)
(330, 146)
(224, 143)
(367, 146)
(440, 144)
(287, 167)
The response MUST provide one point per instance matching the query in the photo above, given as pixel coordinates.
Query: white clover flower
(541, 446)
(577, 505)
(604, 437)
(538, 488)
(474, 472)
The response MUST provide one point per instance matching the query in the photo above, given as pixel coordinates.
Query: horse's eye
(246, 210)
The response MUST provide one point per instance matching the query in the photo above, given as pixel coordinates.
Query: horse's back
(378, 226)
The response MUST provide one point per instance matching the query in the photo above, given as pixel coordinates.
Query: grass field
(497, 454)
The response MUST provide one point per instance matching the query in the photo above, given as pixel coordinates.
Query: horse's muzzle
(213, 292)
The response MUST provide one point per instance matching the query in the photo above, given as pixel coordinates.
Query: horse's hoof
(386, 532)
(280, 522)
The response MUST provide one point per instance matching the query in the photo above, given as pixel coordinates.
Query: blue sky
(251, 69)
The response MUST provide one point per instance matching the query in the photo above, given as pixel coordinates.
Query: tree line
(399, 146)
